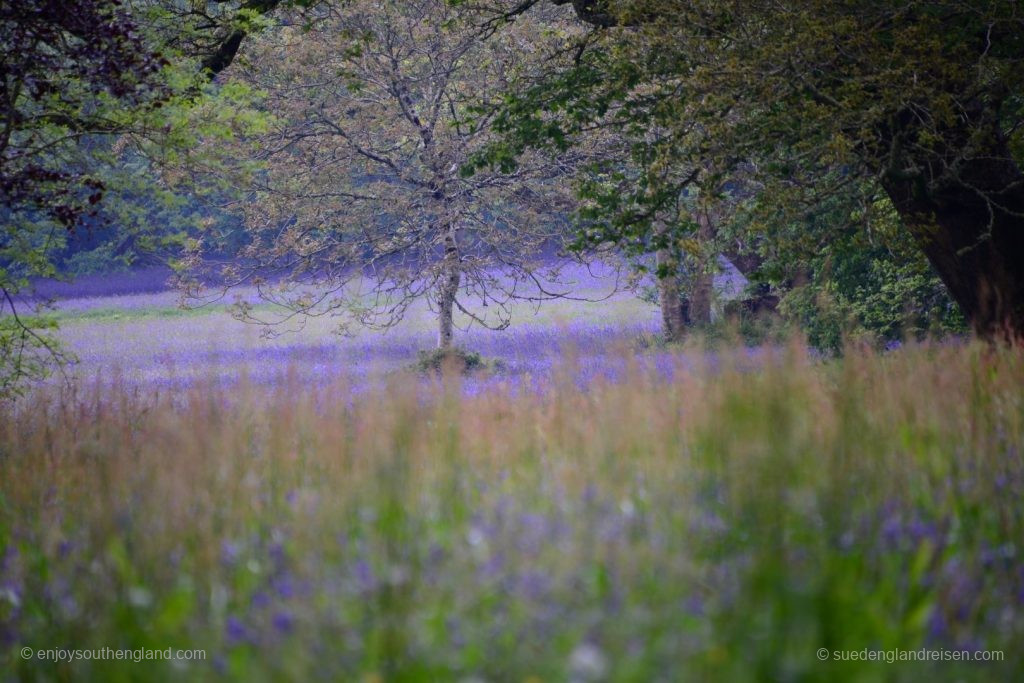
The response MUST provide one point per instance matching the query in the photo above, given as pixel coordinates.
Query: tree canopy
(921, 99)
(358, 207)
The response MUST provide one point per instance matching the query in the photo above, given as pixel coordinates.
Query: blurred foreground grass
(724, 525)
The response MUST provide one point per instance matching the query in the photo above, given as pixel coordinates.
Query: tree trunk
(700, 298)
(673, 315)
(971, 228)
(702, 281)
(448, 289)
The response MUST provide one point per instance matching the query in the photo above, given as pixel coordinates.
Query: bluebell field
(592, 509)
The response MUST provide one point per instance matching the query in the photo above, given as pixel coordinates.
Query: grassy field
(593, 512)
(147, 340)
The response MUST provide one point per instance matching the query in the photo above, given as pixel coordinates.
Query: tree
(926, 99)
(66, 78)
(88, 99)
(360, 208)
(60, 74)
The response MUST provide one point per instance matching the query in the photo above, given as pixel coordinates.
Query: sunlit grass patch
(120, 314)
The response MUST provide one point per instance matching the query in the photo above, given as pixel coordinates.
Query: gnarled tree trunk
(970, 225)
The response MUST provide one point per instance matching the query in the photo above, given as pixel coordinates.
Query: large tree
(926, 99)
(360, 208)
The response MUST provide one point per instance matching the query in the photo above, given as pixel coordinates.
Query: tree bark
(448, 290)
(700, 298)
(673, 313)
(222, 56)
(702, 280)
(971, 228)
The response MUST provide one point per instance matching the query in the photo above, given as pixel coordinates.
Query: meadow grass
(118, 314)
(143, 338)
(723, 524)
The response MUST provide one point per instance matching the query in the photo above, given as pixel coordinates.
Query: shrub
(455, 359)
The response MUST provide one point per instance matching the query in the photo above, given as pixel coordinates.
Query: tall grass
(721, 525)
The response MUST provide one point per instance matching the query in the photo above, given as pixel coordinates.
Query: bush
(455, 359)
(99, 260)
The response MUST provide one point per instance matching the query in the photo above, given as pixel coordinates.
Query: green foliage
(102, 259)
(873, 296)
(848, 270)
(121, 153)
(29, 352)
